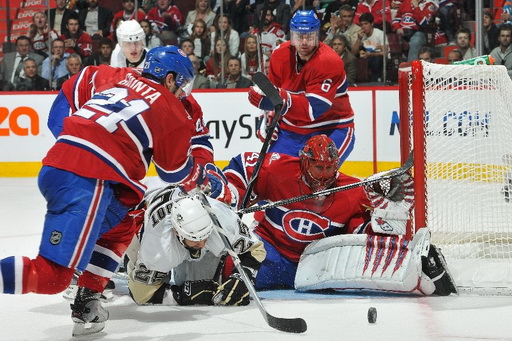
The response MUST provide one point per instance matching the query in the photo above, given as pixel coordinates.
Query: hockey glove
(232, 292)
(194, 292)
(259, 100)
(219, 188)
(196, 178)
(392, 201)
(264, 121)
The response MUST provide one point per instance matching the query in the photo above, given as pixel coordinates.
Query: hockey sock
(21, 275)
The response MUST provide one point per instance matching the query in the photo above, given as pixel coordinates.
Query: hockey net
(457, 119)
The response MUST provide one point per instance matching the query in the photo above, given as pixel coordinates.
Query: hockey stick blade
(372, 179)
(289, 325)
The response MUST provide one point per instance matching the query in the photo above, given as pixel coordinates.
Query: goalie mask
(319, 162)
(191, 220)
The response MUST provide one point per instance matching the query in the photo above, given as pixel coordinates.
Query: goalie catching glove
(392, 201)
(232, 292)
(194, 292)
(259, 100)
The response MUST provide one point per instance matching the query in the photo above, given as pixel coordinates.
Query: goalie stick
(290, 325)
(370, 180)
(272, 94)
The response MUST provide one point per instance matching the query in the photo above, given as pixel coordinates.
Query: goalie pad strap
(365, 262)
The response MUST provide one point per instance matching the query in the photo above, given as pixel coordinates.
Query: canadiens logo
(56, 237)
(383, 225)
(274, 157)
(304, 226)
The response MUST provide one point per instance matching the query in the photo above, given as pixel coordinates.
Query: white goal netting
(466, 137)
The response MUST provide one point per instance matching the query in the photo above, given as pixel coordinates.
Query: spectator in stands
(187, 46)
(152, 39)
(96, 20)
(54, 66)
(200, 81)
(333, 7)
(491, 33)
(412, 18)
(130, 49)
(127, 13)
(216, 64)
(342, 22)
(168, 19)
(426, 53)
(11, 67)
(203, 11)
(281, 11)
(58, 17)
(76, 40)
(446, 12)
(223, 28)
(74, 65)
(201, 38)
(39, 33)
(103, 55)
(31, 81)
(463, 42)
(272, 33)
(375, 8)
(370, 46)
(454, 56)
(251, 59)
(503, 54)
(340, 45)
(238, 11)
(234, 80)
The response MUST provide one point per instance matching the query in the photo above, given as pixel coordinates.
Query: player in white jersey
(181, 243)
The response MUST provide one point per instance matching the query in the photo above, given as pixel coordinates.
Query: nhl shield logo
(56, 237)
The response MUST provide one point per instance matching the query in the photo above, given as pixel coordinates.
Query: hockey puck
(372, 315)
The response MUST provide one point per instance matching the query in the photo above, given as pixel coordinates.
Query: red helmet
(319, 162)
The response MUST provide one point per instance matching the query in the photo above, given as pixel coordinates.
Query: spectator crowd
(229, 40)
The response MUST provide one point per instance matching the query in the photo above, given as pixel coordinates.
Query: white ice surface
(329, 317)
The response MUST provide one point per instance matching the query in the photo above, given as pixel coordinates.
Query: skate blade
(81, 329)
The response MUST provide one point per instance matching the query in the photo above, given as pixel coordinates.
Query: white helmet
(130, 31)
(190, 219)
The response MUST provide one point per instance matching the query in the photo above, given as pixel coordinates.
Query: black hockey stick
(289, 325)
(273, 95)
(372, 179)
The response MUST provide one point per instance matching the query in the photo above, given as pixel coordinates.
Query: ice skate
(87, 313)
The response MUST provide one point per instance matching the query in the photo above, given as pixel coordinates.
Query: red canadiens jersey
(122, 128)
(292, 227)
(83, 45)
(80, 88)
(174, 20)
(319, 98)
(411, 18)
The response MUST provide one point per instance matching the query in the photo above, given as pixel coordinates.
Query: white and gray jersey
(161, 250)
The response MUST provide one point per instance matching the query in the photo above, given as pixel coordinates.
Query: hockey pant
(86, 228)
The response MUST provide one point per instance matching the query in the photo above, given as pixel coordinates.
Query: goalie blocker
(375, 262)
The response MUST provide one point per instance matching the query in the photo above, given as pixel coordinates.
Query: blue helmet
(164, 59)
(305, 21)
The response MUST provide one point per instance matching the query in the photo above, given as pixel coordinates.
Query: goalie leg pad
(366, 262)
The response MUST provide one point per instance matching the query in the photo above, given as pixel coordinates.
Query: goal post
(457, 120)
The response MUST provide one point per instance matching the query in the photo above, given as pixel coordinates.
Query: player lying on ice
(351, 239)
(179, 242)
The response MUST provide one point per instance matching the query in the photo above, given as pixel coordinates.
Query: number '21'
(112, 103)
